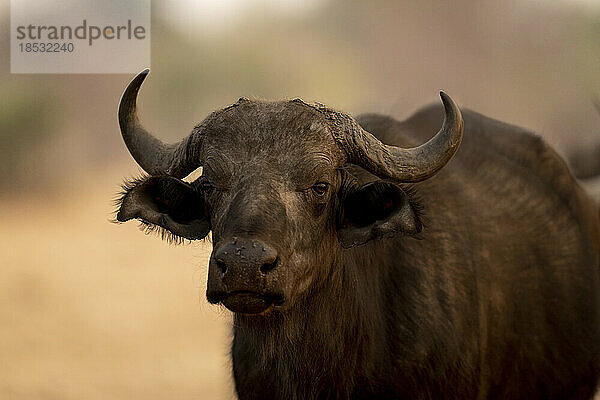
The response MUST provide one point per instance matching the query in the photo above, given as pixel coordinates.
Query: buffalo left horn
(396, 163)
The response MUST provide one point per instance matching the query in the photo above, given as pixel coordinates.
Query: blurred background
(94, 310)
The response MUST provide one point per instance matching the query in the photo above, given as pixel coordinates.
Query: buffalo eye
(320, 188)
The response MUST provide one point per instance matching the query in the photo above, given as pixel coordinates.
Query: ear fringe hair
(127, 185)
(151, 229)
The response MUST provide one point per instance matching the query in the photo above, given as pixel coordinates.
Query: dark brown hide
(478, 283)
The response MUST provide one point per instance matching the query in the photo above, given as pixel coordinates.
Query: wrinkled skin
(492, 292)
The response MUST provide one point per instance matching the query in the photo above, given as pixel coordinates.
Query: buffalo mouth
(248, 302)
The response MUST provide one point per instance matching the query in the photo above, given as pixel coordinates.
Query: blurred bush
(27, 120)
(530, 63)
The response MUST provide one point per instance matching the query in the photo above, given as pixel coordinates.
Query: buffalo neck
(330, 342)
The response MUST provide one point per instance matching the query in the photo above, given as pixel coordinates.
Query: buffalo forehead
(289, 136)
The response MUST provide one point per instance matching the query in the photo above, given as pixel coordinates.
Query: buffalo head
(276, 192)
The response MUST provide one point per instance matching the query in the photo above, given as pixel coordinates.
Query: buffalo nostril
(266, 267)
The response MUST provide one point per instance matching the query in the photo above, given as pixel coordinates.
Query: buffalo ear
(167, 202)
(376, 210)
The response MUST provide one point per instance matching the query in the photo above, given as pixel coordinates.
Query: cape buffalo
(362, 264)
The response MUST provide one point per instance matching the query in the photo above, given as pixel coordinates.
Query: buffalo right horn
(397, 163)
(154, 156)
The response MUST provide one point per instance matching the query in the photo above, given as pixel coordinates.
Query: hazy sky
(213, 16)
(207, 16)
(222, 8)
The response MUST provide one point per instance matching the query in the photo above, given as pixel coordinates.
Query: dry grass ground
(94, 310)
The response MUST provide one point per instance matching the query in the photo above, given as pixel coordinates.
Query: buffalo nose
(245, 255)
